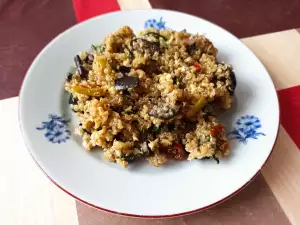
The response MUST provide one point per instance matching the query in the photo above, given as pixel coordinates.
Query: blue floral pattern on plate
(246, 127)
(56, 129)
(157, 24)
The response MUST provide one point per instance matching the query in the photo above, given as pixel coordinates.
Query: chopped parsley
(155, 129)
(174, 80)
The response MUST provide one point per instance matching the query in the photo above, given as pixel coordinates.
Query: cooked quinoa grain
(151, 95)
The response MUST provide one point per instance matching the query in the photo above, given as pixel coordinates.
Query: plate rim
(130, 214)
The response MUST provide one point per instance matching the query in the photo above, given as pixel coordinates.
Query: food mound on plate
(152, 95)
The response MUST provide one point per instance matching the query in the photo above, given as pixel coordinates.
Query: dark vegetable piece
(81, 70)
(69, 77)
(189, 126)
(233, 82)
(170, 126)
(126, 82)
(191, 48)
(156, 35)
(151, 67)
(155, 129)
(174, 80)
(124, 69)
(213, 157)
(205, 158)
(129, 158)
(87, 131)
(215, 79)
(90, 58)
(72, 100)
(206, 117)
(216, 159)
(78, 61)
(223, 79)
(152, 46)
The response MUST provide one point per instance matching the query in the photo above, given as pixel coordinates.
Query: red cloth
(289, 100)
(85, 9)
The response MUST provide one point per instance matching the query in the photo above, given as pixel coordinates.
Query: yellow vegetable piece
(198, 106)
(94, 92)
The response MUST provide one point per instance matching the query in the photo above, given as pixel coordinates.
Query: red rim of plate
(152, 216)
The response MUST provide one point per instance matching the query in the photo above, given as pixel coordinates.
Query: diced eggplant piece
(81, 70)
(156, 35)
(191, 48)
(72, 100)
(152, 46)
(126, 82)
(233, 83)
(124, 69)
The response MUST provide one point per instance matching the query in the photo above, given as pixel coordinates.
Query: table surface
(27, 197)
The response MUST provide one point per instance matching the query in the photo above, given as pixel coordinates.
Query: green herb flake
(174, 80)
(98, 48)
(94, 47)
(129, 158)
(155, 129)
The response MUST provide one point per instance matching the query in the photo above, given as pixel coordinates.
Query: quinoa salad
(155, 96)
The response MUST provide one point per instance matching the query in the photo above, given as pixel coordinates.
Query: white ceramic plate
(178, 188)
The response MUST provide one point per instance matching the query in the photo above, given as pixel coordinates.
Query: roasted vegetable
(72, 100)
(198, 106)
(233, 83)
(81, 70)
(126, 82)
(93, 92)
(151, 46)
(69, 77)
(191, 48)
(156, 35)
(124, 69)
(89, 59)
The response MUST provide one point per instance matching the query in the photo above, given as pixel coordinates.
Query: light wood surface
(29, 198)
(277, 52)
(282, 173)
(134, 4)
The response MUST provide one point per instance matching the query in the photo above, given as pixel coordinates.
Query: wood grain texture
(279, 53)
(282, 173)
(27, 196)
(134, 4)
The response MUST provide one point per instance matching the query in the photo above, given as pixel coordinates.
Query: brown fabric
(26, 26)
(243, 18)
(254, 205)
